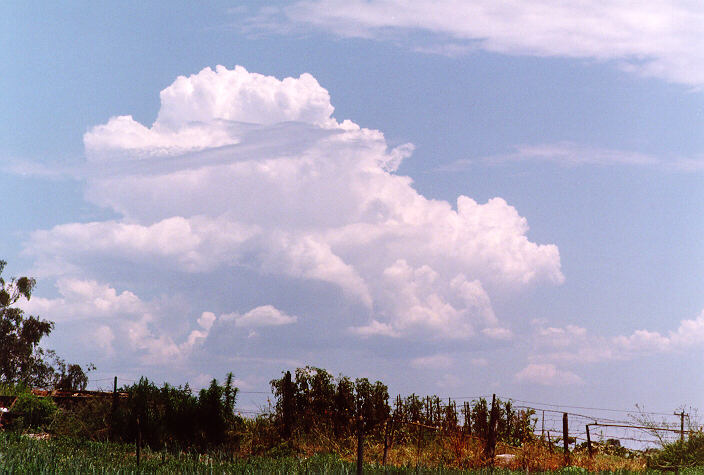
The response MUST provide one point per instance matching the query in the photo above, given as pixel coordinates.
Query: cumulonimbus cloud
(662, 39)
(575, 345)
(245, 170)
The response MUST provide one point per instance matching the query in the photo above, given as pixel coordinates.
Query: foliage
(89, 419)
(23, 455)
(686, 453)
(70, 377)
(316, 401)
(12, 389)
(174, 417)
(32, 412)
(22, 360)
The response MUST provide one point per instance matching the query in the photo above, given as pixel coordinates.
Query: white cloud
(660, 38)
(211, 109)
(570, 154)
(479, 362)
(264, 316)
(242, 170)
(84, 299)
(107, 315)
(103, 337)
(439, 361)
(547, 375)
(375, 327)
(575, 345)
(498, 333)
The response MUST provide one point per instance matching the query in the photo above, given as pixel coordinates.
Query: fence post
(490, 449)
(467, 418)
(139, 440)
(508, 422)
(542, 428)
(113, 411)
(388, 437)
(589, 442)
(360, 445)
(420, 439)
(565, 438)
(288, 406)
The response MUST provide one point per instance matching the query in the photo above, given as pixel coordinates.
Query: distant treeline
(312, 400)
(309, 402)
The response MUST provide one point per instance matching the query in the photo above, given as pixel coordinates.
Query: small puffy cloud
(547, 375)
(575, 345)
(660, 38)
(211, 109)
(84, 299)
(438, 361)
(375, 328)
(498, 333)
(568, 154)
(263, 316)
(449, 381)
(479, 362)
(688, 334)
(245, 171)
(107, 315)
(103, 337)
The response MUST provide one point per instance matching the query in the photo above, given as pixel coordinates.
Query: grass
(24, 455)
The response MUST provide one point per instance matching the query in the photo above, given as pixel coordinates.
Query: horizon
(481, 199)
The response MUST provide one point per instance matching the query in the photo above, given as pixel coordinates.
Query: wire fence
(633, 429)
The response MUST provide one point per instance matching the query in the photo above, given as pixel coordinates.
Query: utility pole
(681, 414)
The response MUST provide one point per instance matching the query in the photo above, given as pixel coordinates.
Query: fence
(567, 427)
(570, 427)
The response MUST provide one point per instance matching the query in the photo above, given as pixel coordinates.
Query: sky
(455, 198)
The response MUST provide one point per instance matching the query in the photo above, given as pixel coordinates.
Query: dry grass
(468, 453)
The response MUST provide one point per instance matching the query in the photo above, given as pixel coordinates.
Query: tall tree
(22, 360)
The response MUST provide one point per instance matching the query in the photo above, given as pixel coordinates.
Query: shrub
(32, 412)
(687, 453)
(174, 417)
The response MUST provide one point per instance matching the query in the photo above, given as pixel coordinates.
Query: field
(22, 454)
(317, 426)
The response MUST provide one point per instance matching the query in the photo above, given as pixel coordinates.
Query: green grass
(23, 455)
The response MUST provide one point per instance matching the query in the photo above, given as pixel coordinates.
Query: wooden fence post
(589, 442)
(490, 449)
(388, 437)
(508, 422)
(565, 438)
(113, 411)
(467, 417)
(139, 440)
(360, 445)
(418, 449)
(542, 428)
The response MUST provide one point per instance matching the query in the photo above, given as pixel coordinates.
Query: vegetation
(22, 360)
(176, 418)
(316, 423)
(685, 453)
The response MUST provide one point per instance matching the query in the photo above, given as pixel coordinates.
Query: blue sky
(245, 226)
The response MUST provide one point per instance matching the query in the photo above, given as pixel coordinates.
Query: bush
(687, 453)
(176, 418)
(32, 412)
(89, 419)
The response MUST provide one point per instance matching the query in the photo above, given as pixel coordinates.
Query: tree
(22, 360)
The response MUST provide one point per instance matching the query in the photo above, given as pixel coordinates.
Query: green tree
(22, 360)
